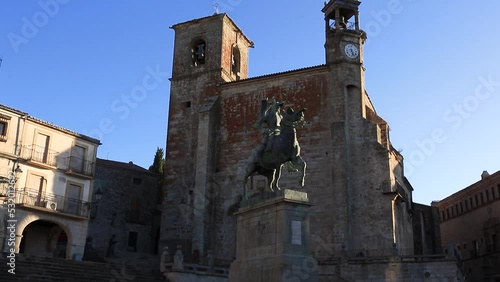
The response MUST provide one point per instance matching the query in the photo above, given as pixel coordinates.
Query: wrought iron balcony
(40, 155)
(79, 166)
(55, 203)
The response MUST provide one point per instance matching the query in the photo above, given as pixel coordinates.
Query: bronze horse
(284, 149)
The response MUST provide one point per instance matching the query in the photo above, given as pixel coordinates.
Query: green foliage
(158, 167)
(158, 162)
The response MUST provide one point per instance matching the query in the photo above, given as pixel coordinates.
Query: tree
(158, 167)
(158, 162)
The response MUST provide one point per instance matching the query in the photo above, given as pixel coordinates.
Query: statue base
(272, 239)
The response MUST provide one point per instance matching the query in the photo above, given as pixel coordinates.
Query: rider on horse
(272, 118)
(279, 147)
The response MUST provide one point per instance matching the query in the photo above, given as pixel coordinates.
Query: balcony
(79, 167)
(40, 156)
(47, 202)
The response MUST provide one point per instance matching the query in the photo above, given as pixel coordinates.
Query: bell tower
(344, 38)
(364, 178)
(207, 52)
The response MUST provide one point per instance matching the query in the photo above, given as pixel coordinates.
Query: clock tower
(362, 155)
(344, 38)
(344, 53)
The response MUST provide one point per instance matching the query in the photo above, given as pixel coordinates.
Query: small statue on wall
(178, 259)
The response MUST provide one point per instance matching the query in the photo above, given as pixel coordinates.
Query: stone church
(361, 200)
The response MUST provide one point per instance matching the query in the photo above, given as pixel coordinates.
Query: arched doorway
(44, 238)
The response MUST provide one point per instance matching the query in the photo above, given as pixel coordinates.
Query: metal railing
(79, 165)
(53, 202)
(40, 154)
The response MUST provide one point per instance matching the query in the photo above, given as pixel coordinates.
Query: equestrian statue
(279, 146)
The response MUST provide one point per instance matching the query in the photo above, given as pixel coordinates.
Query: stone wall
(129, 204)
(426, 230)
(179, 276)
(391, 271)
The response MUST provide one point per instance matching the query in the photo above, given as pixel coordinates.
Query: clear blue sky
(427, 63)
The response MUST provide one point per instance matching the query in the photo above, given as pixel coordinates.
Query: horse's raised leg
(277, 176)
(271, 180)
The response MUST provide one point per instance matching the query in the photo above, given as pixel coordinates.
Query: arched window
(198, 52)
(236, 62)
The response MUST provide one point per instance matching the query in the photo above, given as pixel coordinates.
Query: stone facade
(470, 227)
(382, 270)
(426, 233)
(128, 210)
(46, 174)
(361, 200)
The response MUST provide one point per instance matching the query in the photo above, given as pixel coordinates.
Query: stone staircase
(32, 268)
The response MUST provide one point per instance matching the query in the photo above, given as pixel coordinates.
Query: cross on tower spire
(216, 8)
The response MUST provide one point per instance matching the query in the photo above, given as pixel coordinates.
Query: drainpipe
(17, 153)
(19, 136)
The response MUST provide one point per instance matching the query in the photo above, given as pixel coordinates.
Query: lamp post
(97, 198)
(98, 195)
(18, 171)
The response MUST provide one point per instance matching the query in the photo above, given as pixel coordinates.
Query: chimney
(484, 174)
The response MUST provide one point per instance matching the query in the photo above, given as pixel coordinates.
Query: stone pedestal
(272, 239)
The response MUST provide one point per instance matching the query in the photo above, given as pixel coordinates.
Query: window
(482, 198)
(198, 50)
(475, 251)
(236, 62)
(132, 241)
(447, 212)
(487, 196)
(134, 211)
(72, 199)
(3, 131)
(462, 207)
(77, 159)
(4, 122)
(35, 188)
(442, 215)
(466, 205)
(476, 201)
(41, 150)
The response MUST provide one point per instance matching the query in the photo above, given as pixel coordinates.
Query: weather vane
(216, 7)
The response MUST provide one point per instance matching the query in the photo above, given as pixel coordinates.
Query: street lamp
(97, 198)
(98, 195)
(18, 170)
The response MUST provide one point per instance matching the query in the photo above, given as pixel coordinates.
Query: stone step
(33, 268)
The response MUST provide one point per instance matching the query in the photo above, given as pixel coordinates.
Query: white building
(47, 172)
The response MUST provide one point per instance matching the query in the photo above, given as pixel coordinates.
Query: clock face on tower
(351, 51)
